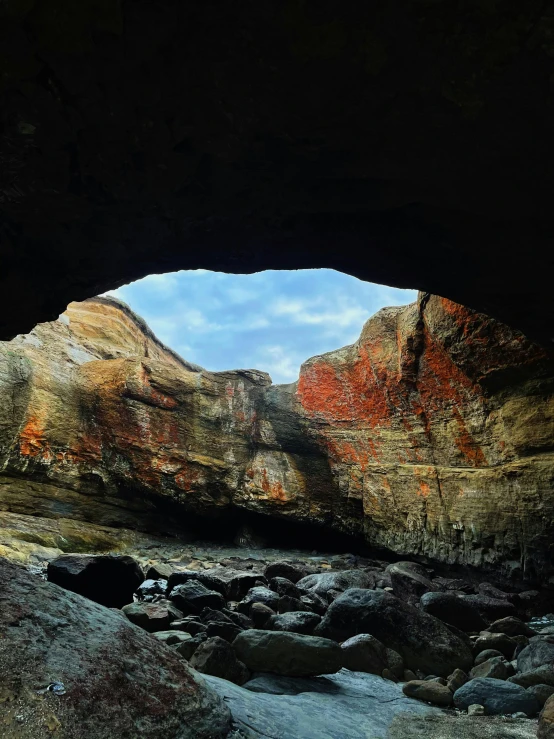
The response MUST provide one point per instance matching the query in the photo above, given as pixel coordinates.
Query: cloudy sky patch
(272, 321)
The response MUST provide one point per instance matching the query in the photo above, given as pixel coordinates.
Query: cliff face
(432, 435)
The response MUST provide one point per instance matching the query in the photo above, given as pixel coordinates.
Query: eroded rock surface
(431, 435)
(117, 679)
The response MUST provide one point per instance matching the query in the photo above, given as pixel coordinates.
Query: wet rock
(107, 579)
(512, 627)
(541, 692)
(539, 675)
(546, 721)
(536, 654)
(217, 657)
(288, 570)
(322, 582)
(282, 586)
(453, 609)
(497, 696)
(345, 705)
(485, 655)
(495, 667)
(429, 691)
(423, 641)
(240, 619)
(285, 653)
(210, 582)
(287, 604)
(234, 583)
(491, 591)
(117, 677)
(152, 616)
(500, 642)
(258, 595)
(150, 589)
(364, 653)
(408, 582)
(395, 663)
(299, 622)
(192, 597)
(259, 614)
(491, 609)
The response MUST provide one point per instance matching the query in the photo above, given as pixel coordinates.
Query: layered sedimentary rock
(432, 435)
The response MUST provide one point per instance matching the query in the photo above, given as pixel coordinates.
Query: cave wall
(432, 435)
(408, 143)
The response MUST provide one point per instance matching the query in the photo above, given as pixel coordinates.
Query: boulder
(152, 616)
(395, 663)
(285, 653)
(287, 604)
(491, 609)
(282, 586)
(258, 595)
(364, 653)
(539, 675)
(118, 680)
(541, 692)
(314, 602)
(172, 638)
(299, 622)
(107, 579)
(321, 583)
(539, 652)
(159, 571)
(500, 642)
(497, 696)
(259, 614)
(188, 647)
(485, 655)
(546, 721)
(204, 577)
(190, 624)
(456, 680)
(496, 667)
(429, 691)
(453, 609)
(423, 641)
(216, 657)
(409, 583)
(288, 570)
(511, 626)
(193, 597)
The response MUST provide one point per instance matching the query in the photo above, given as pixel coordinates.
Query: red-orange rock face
(432, 435)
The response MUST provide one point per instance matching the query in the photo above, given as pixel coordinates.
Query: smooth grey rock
(497, 696)
(348, 705)
(422, 640)
(287, 654)
(539, 652)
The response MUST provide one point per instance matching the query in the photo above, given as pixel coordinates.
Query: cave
(408, 144)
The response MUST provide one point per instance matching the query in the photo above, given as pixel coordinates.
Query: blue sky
(271, 321)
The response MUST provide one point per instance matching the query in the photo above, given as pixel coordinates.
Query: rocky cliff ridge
(432, 435)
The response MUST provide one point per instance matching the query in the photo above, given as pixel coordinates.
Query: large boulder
(512, 626)
(107, 579)
(491, 609)
(193, 597)
(285, 653)
(410, 581)
(423, 641)
(497, 697)
(118, 680)
(539, 652)
(453, 609)
(323, 582)
(364, 653)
